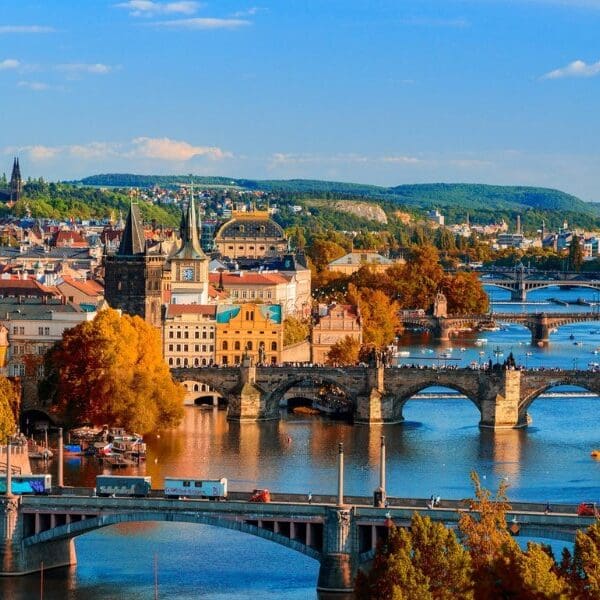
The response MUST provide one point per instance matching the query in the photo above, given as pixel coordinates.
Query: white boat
(481, 341)
(463, 349)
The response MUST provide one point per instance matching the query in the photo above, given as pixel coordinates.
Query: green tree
(110, 370)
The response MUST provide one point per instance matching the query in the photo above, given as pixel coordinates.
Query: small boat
(480, 341)
(595, 453)
(577, 344)
(117, 461)
(529, 353)
(463, 349)
(73, 450)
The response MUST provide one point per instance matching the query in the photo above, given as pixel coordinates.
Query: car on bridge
(588, 509)
(260, 495)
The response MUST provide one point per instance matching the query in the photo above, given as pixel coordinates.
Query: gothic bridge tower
(133, 276)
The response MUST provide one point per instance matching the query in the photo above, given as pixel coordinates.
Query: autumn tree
(575, 253)
(465, 294)
(582, 568)
(380, 315)
(344, 352)
(111, 370)
(8, 407)
(323, 251)
(426, 562)
(294, 331)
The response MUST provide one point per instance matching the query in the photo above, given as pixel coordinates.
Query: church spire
(190, 244)
(16, 183)
(133, 241)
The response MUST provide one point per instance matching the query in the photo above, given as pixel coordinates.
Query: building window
(179, 335)
(197, 335)
(170, 362)
(225, 346)
(46, 330)
(170, 334)
(203, 347)
(170, 347)
(185, 348)
(224, 360)
(204, 335)
(273, 346)
(236, 345)
(196, 348)
(212, 335)
(15, 330)
(40, 331)
(249, 346)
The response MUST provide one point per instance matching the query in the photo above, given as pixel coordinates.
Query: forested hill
(483, 203)
(441, 195)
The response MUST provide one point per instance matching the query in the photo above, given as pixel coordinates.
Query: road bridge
(539, 324)
(378, 394)
(341, 533)
(520, 281)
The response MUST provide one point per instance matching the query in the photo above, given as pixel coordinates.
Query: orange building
(255, 329)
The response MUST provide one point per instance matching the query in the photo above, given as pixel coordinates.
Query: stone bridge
(379, 394)
(540, 324)
(341, 536)
(520, 280)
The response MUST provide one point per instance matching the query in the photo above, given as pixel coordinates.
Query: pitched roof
(208, 310)
(133, 240)
(247, 278)
(89, 287)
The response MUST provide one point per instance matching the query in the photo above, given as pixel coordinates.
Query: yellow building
(255, 329)
(334, 323)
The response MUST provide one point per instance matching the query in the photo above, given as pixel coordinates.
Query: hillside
(483, 203)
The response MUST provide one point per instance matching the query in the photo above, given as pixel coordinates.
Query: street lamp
(497, 353)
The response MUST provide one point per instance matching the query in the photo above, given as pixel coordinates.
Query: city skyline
(500, 92)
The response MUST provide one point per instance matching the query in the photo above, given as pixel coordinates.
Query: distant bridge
(520, 281)
(378, 394)
(340, 535)
(540, 324)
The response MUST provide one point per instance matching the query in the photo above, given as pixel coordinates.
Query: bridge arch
(276, 395)
(75, 529)
(582, 384)
(403, 396)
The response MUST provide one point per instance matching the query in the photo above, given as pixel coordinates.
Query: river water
(433, 451)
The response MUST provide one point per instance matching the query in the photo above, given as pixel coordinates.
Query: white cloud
(167, 149)
(148, 8)
(282, 158)
(78, 68)
(248, 12)
(36, 86)
(26, 29)
(9, 63)
(577, 68)
(202, 23)
(160, 149)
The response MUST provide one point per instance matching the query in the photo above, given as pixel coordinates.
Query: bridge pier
(338, 564)
(247, 401)
(500, 401)
(17, 558)
(540, 331)
(518, 294)
(441, 330)
(375, 406)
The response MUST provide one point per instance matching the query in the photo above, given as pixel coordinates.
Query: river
(433, 451)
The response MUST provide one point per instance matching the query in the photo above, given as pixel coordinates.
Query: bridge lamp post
(379, 493)
(497, 353)
(340, 501)
(8, 492)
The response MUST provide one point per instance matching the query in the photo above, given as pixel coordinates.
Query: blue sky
(379, 91)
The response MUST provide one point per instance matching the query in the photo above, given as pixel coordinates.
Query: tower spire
(133, 241)
(190, 244)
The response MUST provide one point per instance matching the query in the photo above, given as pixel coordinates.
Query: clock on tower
(188, 274)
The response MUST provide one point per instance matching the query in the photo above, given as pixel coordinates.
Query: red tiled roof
(71, 239)
(25, 287)
(90, 287)
(247, 278)
(210, 310)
